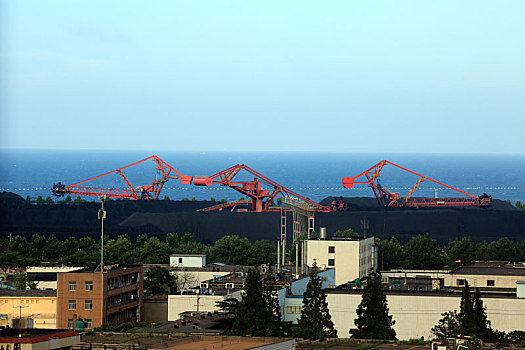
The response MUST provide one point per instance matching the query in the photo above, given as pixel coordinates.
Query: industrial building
(28, 309)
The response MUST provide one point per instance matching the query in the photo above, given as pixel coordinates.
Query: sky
(328, 76)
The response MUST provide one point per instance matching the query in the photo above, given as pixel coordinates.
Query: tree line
(232, 250)
(423, 252)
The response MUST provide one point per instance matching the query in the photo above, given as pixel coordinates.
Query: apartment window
(88, 323)
(72, 305)
(70, 323)
(89, 286)
(490, 283)
(180, 260)
(229, 285)
(331, 262)
(88, 305)
(331, 250)
(204, 285)
(294, 309)
(72, 286)
(460, 282)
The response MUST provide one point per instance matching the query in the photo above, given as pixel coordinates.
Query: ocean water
(314, 175)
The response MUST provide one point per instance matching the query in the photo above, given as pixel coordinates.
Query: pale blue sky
(381, 76)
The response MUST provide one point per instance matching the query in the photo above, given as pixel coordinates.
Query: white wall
(353, 259)
(481, 280)
(188, 261)
(415, 315)
(182, 303)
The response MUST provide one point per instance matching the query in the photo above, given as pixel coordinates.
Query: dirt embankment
(160, 217)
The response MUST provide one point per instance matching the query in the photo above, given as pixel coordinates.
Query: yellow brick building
(36, 308)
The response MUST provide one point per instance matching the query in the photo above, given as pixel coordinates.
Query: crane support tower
(261, 199)
(389, 199)
(147, 192)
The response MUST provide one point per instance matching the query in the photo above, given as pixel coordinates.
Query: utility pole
(101, 217)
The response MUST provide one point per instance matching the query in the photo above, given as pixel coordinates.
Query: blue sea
(314, 175)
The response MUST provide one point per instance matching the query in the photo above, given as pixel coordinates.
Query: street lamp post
(101, 217)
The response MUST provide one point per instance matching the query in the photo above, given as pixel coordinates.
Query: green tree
(154, 252)
(193, 199)
(448, 326)
(38, 244)
(349, 232)
(68, 199)
(166, 198)
(373, 320)
(463, 250)
(265, 252)
(503, 250)
(23, 281)
(467, 323)
(391, 253)
(482, 324)
(315, 320)
(519, 205)
(254, 316)
(52, 250)
(79, 200)
(49, 200)
(233, 250)
(28, 199)
(69, 246)
(223, 200)
(212, 199)
(39, 200)
(422, 252)
(119, 251)
(158, 281)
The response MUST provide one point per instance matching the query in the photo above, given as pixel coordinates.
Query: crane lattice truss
(388, 199)
(141, 192)
(261, 199)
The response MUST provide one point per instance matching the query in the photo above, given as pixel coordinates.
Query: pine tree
(467, 323)
(315, 320)
(482, 324)
(373, 321)
(253, 315)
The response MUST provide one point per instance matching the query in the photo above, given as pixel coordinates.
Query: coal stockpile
(160, 217)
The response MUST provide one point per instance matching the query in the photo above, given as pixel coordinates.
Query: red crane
(261, 199)
(141, 192)
(388, 199)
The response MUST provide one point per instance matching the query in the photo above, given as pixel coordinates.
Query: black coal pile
(160, 217)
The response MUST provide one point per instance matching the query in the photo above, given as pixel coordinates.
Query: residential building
(28, 308)
(114, 296)
(351, 258)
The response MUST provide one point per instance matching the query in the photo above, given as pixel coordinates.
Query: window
(88, 323)
(331, 250)
(88, 305)
(72, 305)
(490, 283)
(72, 286)
(331, 262)
(204, 285)
(89, 286)
(69, 323)
(229, 285)
(180, 260)
(460, 282)
(294, 309)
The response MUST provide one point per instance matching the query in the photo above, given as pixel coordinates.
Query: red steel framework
(141, 192)
(261, 199)
(388, 199)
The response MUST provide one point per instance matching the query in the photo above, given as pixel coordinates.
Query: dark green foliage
(253, 315)
(448, 326)
(39, 200)
(166, 198)
(28, 199)
(520, 205)
(158, 281)
(422, 252)
(481, 324)
(122, 327)
(346, 233)
(233, 250)
(464, 250)
(23, 281)
(49, 200)
(466, 312)
(390, 254)
(315, 320)
(373, 320)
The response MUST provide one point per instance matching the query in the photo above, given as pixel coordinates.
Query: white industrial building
(351, 258)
